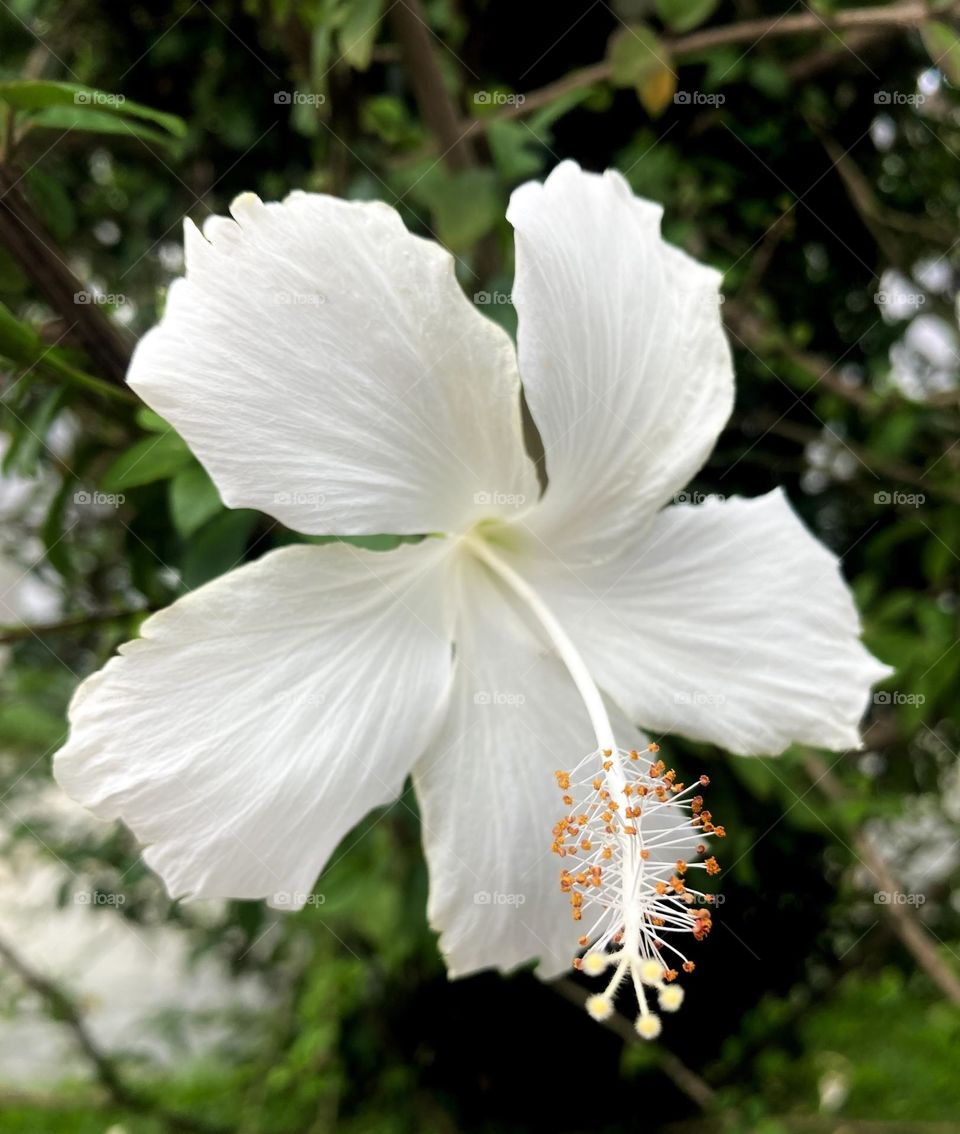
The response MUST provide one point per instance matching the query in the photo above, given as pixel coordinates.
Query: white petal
(327, 369)
(623, 358)
(264, 714)
(726, 622)
(488, 796)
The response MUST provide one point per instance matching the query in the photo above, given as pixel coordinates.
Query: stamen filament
(617, 821)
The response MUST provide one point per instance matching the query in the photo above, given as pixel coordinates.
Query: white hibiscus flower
(326, 368)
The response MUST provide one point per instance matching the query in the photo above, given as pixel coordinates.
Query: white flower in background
(326, 368)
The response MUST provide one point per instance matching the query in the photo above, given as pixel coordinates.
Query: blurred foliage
(819, 170)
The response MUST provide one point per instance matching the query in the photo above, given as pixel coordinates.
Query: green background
(803, 165)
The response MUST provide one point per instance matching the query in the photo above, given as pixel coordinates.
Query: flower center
(632, 828)
(632, 873)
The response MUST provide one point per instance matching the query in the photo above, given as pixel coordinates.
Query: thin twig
(693, 1086)
(903, 16)
(893, 470)
(903, 918)
(62, 1008)
(11, 634)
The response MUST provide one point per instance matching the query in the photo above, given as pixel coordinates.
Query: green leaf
(359, 32)
(152, 422)
(95, 122)
(152, 458)
(30, 727)
(684, 15)
(638, 59)
(43, 94)
(219, 547)
(943, 47)
(194, 499)
(21, 344)
(635, 55)
(516, 151)
(466, 206)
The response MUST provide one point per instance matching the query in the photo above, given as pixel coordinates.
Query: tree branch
(11, 634)
(63, 1009)
(881, 19)
(689, 1082)
(25, 237)
(905, 924)
(437, 107)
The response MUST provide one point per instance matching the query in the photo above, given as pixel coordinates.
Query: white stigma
(626, 839)
(628, 833)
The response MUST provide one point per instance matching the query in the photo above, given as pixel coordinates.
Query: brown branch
(893, 470)
(61, 1008)
(879, 19)
(689, 1082)
(905, 924)
(753, 333)
(436, 105)
(11, 634)
(24, 235)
